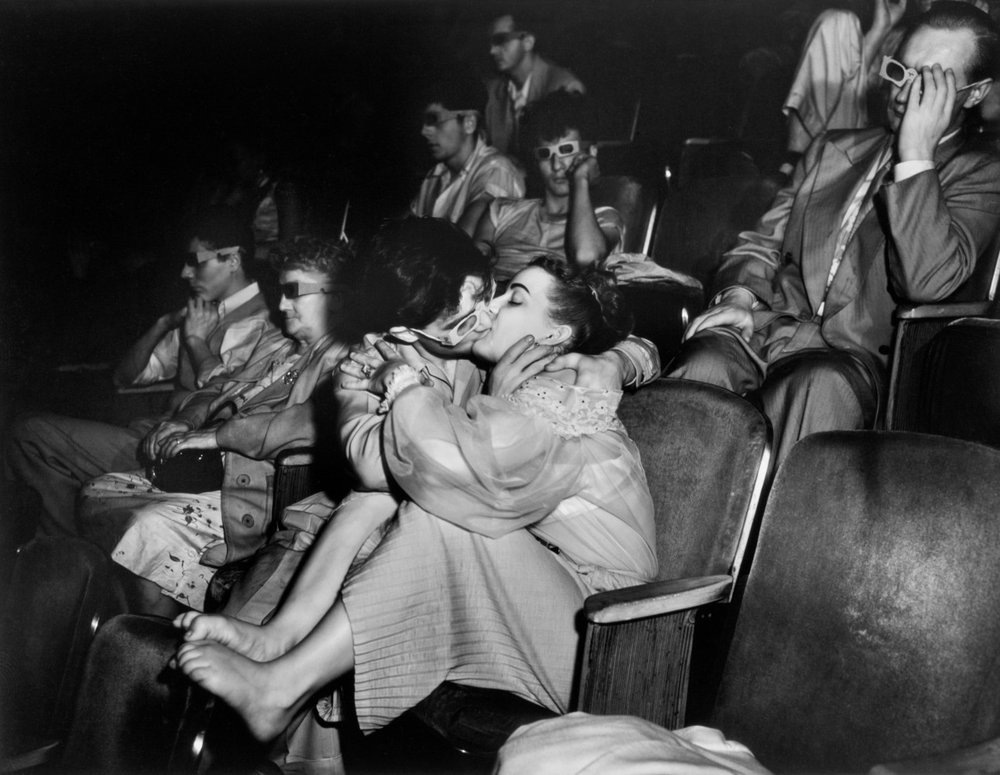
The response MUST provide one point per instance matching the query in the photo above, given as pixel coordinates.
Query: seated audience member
(469, 173)
(210, 339)
(562, 224)
(870, 219)
(525, 77)
(543, 464)
(174, 541)
(837, 83)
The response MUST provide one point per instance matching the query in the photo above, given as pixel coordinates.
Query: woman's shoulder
(572, 410)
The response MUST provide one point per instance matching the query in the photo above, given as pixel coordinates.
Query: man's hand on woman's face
(522, 361)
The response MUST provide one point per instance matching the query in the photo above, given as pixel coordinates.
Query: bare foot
(258, 691)
(250, 640)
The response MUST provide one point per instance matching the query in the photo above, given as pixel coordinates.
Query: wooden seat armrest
(301, 456)
(656, 598)
(957, 310)
(980, 758)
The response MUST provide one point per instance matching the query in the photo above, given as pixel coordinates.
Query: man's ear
(528, 41)
(470, 123)
(977, 93)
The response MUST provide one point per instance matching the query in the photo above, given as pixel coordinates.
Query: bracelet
(396, 382)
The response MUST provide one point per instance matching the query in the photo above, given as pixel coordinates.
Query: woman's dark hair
(589, 302)
(413, 271)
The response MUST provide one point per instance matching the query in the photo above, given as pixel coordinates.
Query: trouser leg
(717, 357)
(130, 702)
(814, 391)
(55, 455)
(61, 589)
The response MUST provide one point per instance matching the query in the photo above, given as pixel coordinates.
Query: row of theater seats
(837, 618)
(856, 561)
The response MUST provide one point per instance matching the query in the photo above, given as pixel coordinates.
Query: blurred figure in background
(525, 77)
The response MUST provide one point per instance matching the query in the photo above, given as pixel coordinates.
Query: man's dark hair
(525, 20)
(223, 227)
(412, 271)
(458, 91)
(955, 15)
(554, 115)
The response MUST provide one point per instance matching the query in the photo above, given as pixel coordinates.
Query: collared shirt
(238, 342)
(486, 173)
(519, 97)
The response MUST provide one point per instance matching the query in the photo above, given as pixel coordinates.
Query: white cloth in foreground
(581, 744)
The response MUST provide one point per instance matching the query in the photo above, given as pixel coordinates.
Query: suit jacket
(918, 242)
(277, 418)
(500, 120)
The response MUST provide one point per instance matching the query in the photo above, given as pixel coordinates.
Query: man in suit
(871, 218)
(525, 77)
(212, 337)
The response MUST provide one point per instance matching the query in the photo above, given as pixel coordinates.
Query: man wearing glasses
(563, 223)
(871, 218)
(525, 77)
(211, 338)
(469, 172)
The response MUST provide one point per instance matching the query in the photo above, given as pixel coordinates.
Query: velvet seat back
(960, 396)
(701, 448)
(869, 626)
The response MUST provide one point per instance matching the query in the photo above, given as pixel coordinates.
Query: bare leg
(269, 694)
(145, 597)
(314, 591)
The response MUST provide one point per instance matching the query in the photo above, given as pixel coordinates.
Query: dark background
(110, 112)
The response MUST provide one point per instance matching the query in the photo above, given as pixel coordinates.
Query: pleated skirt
(433, 602)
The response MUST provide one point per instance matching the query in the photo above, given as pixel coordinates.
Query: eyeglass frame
(910, 74)
(427, 121)
(453, 335)
(310, 289)
(196, 258)
(503, 38)
(548, 152)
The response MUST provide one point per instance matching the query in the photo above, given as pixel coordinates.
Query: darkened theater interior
(463, 386)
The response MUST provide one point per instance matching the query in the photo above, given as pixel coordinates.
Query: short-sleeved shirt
(486, 173)
(523, 230)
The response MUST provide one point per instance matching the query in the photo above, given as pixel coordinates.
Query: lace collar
(573, 411)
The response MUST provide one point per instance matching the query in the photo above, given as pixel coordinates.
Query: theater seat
(868, 626)
(917, 325)
(960, 393)
(706, 453)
